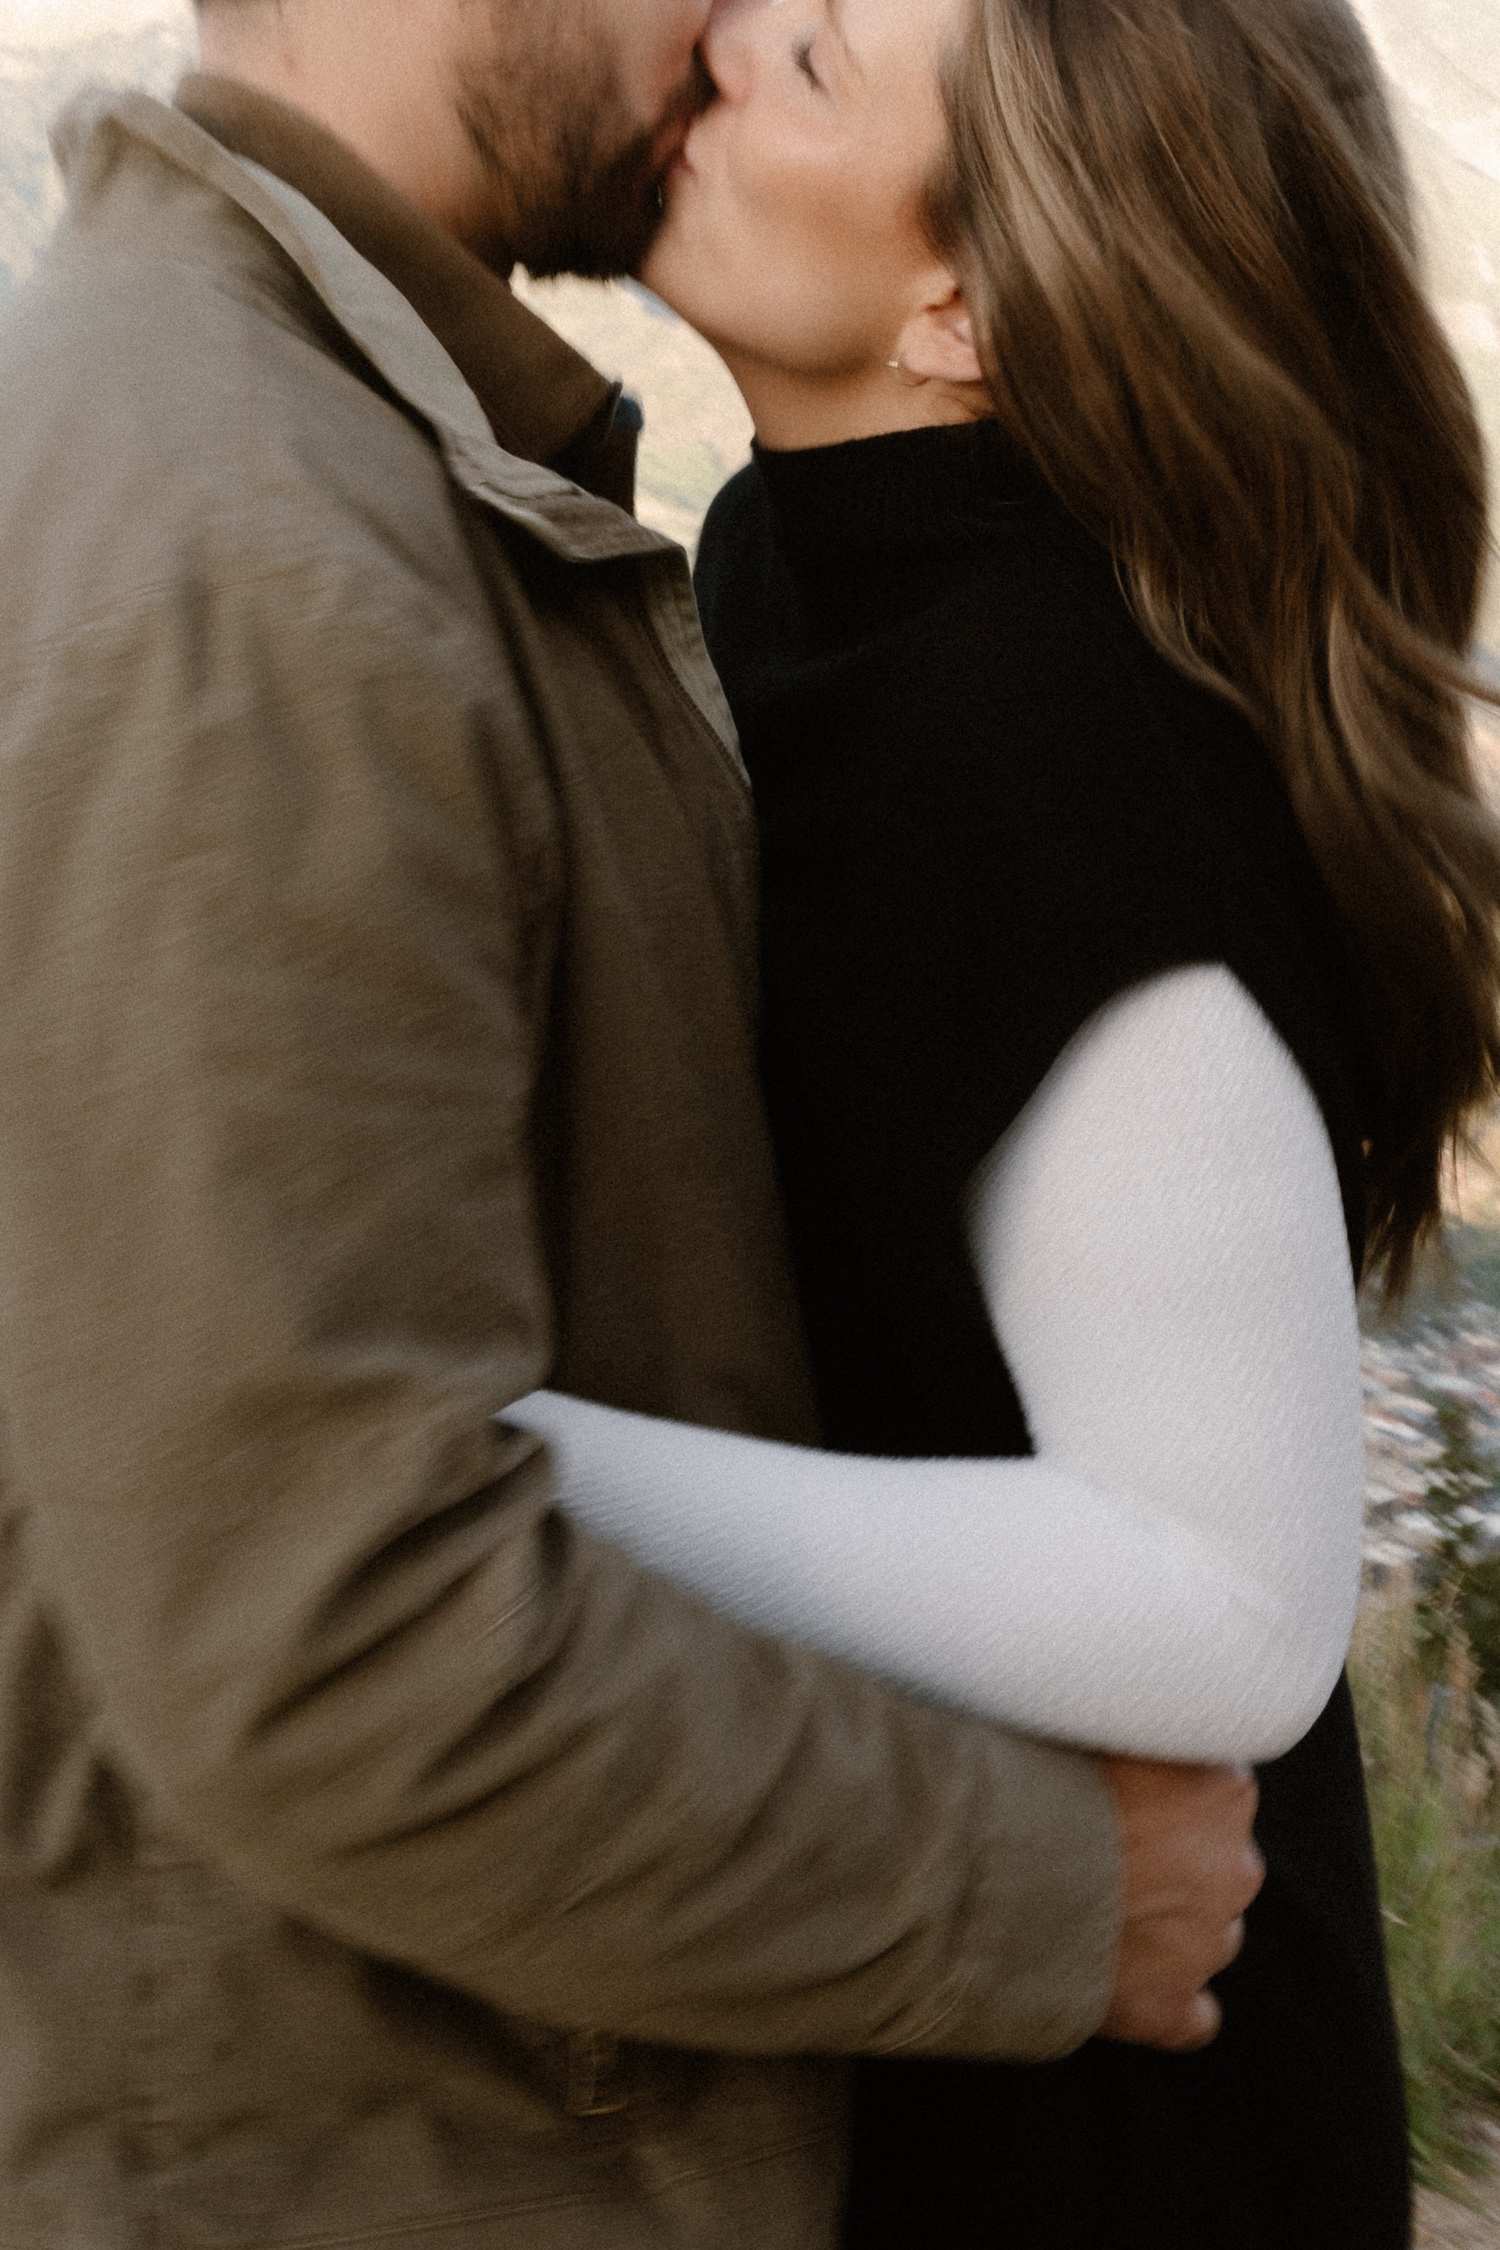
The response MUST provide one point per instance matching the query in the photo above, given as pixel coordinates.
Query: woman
(1094, 616)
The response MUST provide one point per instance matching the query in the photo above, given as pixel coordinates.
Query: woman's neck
(794, 412)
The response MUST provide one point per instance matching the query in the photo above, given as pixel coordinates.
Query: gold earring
(904, 375)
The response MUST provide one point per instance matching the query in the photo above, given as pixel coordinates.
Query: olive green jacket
(382, 1862)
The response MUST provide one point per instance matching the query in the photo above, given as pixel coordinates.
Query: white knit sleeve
(1161, 1244)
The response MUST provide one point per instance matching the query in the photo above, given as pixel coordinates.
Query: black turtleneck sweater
(986, 808)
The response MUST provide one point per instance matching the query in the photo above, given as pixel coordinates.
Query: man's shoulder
(168, 418)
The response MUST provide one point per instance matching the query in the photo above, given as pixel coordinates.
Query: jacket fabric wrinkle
(379, 1860)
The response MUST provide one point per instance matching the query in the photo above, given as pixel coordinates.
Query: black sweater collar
(878, 531)
(922, 488)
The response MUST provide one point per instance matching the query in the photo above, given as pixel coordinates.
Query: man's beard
(578, 188)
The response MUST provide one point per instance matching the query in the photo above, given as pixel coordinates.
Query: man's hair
(1185, 234)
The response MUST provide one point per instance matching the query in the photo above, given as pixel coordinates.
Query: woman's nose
(728, 45)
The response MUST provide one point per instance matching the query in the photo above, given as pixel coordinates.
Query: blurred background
(1428, 1652)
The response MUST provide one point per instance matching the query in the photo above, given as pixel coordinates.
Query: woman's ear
(937, 343)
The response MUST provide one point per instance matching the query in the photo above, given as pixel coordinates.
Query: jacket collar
(542, 394)
(540, 397)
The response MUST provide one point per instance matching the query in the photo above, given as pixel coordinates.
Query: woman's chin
(674, 262)
(677, 270)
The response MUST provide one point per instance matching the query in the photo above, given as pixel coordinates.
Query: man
(379, 1860)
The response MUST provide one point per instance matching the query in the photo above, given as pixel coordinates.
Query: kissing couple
(681, 1388)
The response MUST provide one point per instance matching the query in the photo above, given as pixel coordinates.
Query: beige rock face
(1443, 61)
(697, 431)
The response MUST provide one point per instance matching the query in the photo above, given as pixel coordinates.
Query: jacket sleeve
(277, 944)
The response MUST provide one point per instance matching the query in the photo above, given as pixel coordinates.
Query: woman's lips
(700, 124)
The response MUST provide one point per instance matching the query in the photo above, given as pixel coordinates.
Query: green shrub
(1459, 1579)
(1432, 1754)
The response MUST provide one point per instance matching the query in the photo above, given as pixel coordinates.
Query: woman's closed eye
(802, 55)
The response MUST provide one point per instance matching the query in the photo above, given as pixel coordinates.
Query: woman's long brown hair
(1185, 235)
